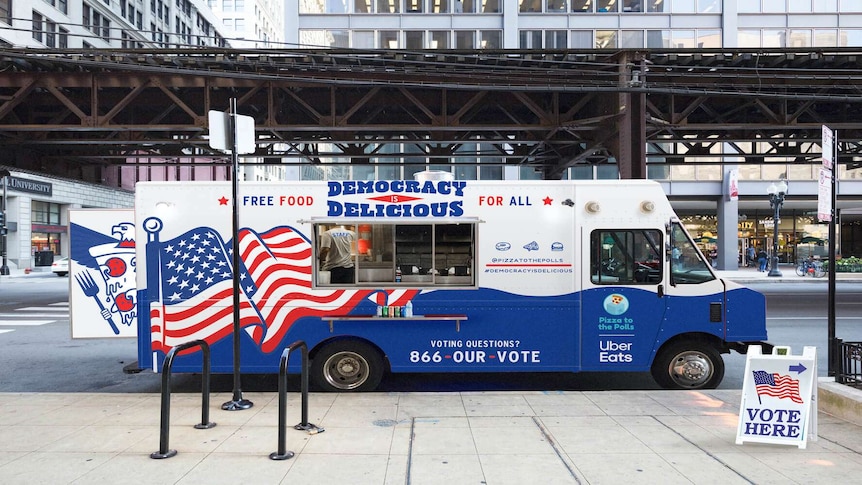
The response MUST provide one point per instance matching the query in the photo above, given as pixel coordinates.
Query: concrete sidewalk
(453, 438)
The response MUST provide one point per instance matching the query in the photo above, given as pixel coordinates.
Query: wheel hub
(691, 369)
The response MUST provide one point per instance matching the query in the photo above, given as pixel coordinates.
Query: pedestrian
(336, 246)
(750, 254)
(713, 257)
(762, 259)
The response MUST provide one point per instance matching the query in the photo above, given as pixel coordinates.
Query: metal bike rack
(164, 450)
(282, 453)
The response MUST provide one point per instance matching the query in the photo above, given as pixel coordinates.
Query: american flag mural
(196, 285)
(777, 385)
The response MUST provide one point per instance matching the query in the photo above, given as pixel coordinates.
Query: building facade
(577, 24)
(69, 24)
(697, 190)
(37, 215)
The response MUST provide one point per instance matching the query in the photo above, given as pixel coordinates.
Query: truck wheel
(688, 365)
(347, 365)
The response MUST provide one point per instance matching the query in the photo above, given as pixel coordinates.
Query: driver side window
(626, 257)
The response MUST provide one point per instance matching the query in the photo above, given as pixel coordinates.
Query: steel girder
(74, 113)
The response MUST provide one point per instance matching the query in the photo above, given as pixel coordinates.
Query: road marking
(29, 315)
(10, 323)
(5, 331)
(39, 309)
(812, 318)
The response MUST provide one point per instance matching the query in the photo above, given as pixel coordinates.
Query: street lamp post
(776, 200)
(4, 221)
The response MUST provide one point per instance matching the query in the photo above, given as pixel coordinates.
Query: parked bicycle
(811, 267)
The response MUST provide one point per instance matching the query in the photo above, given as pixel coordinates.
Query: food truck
(441, 276)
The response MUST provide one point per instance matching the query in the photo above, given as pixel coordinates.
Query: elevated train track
(73, 113)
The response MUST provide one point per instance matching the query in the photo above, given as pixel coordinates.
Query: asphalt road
(44, 358)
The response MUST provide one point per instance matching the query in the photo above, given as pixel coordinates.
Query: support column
(728, 226)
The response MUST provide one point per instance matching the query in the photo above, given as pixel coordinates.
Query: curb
(839, 400)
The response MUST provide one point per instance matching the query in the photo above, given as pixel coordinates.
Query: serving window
(399, 254)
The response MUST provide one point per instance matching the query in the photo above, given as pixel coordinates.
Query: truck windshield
(687, 264)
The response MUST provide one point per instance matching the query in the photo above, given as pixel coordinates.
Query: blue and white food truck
(443, 276)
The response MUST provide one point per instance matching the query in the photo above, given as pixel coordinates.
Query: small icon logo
(532, 246)
(503, 246)
(556, 246)
(616, 304)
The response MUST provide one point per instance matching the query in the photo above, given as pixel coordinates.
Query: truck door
(624, 298)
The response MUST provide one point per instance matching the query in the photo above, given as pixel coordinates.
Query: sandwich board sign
(779, 394)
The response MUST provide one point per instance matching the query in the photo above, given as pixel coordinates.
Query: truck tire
(347, 365)
(688, 365)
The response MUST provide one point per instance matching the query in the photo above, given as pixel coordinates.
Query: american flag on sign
(777, 385)
(275, 288)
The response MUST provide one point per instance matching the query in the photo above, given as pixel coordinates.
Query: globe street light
(776, 199)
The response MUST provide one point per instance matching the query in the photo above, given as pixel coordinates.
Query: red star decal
(223, 200)
(547, 200)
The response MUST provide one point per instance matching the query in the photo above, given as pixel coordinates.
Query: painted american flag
(275, 288)
(777, 385)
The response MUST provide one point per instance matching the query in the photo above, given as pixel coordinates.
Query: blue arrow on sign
(799, 368)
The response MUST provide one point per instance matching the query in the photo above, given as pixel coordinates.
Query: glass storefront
(799, 234)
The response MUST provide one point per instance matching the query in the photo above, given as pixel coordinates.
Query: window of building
(388, 6)
(632, 39)
(582, 39)
(414, 39)
(45, 213)
(830, 6)
(657, 6)
(683, 39)
(606, 39)
(607, 6)
(6, 11)
(530, 39)
(773, 38)
(38, 28)
(709, 6)
(530, 6)
(388, 39)
(438, 39)
(556, 39)
(799, 6)
(414, 6)
(850, 38)
(491, 39)
(559, 6)
(632, 6)
(582, 6)
(50, 34)
(773, 6)
(708, 39)
(800, 38)
(63, 39)
(683, 6)
(626, 257)
(435, 254)
(439, 6)
(465, 39)
(363, 39)
(489, 6)
(825, 38)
